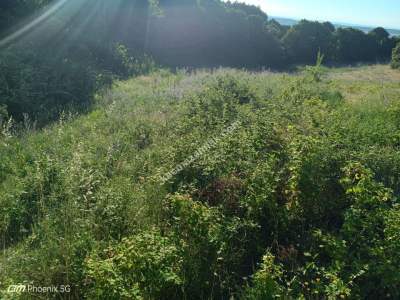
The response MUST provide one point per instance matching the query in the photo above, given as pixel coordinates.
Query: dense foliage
(13, 11)
(396, 57)
(58, 64)
(305, 40)
(298, 200)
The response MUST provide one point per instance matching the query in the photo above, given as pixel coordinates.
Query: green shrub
(264, 284)
(216, 248)
(364, 229)
(219, 101)
(145, 266)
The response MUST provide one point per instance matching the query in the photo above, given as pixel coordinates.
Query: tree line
(59, 63)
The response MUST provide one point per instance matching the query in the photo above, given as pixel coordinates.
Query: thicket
(299, 201)
(60, 63)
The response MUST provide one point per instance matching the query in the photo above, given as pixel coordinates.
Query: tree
(248, 9)
(12, 11)
(277, 29)
(383, 43)
(304, 40)
(379, 33)
(353, 45)
(212, 33)
(329, 26)
(396, 57)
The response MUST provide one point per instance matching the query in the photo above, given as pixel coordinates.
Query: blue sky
(361, 12)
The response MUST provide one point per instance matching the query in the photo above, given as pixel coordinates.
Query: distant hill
(285, 21)
(291, 22)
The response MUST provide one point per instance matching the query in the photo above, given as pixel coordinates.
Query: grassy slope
(80, 186)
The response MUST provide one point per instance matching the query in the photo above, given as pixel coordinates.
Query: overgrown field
(210, 185)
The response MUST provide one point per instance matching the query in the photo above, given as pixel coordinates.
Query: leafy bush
(264, 281)
(145, 266)
(212, 246)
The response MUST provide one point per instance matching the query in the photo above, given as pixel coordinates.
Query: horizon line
(333, 22)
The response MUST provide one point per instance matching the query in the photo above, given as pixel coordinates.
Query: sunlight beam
(12, 37)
